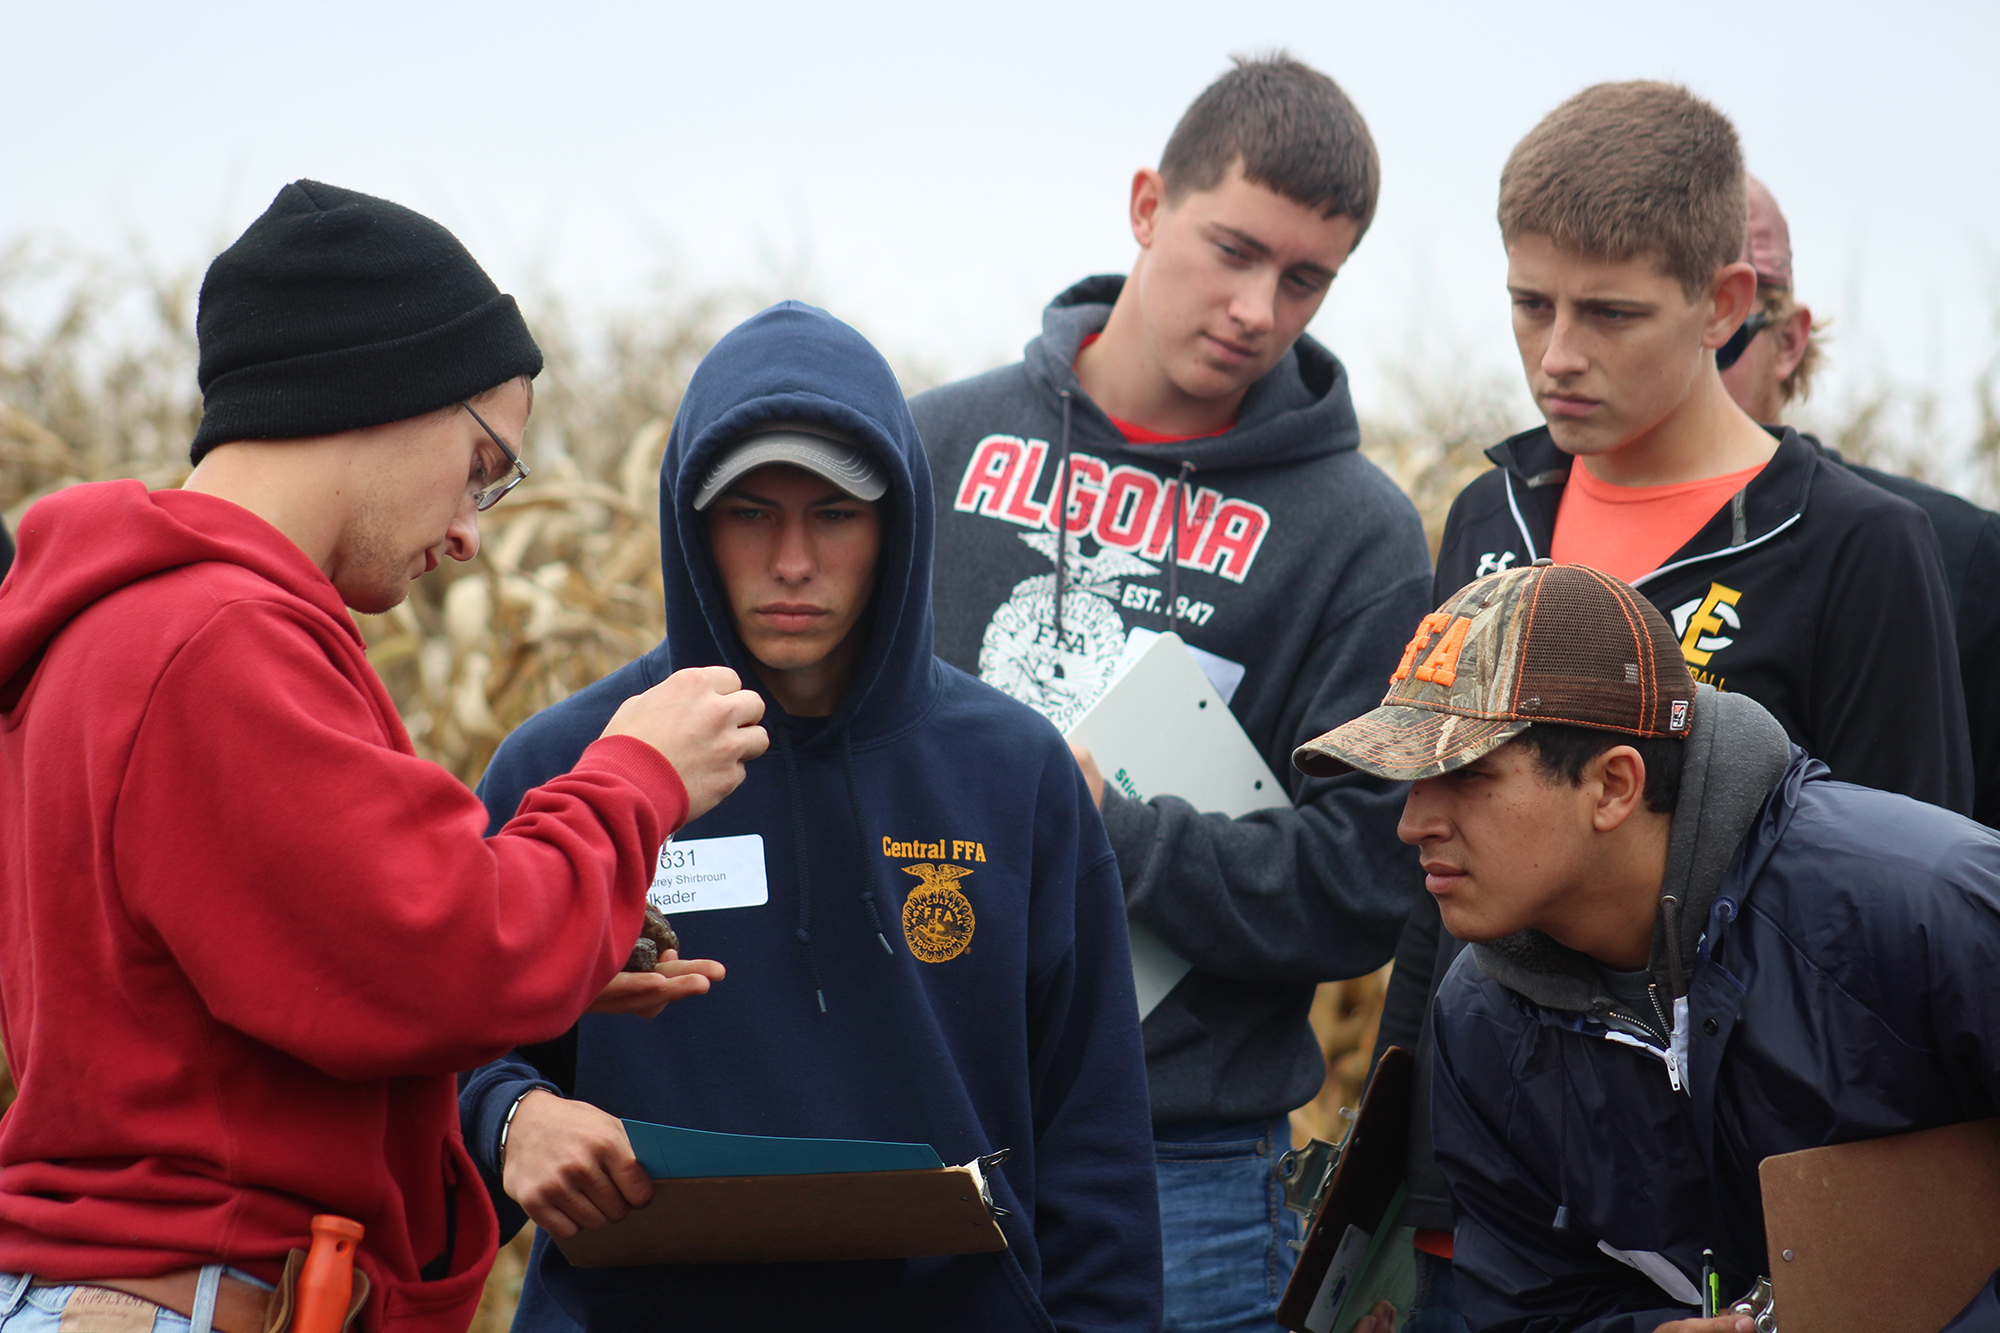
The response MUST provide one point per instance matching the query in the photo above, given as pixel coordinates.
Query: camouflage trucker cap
(1544, 643)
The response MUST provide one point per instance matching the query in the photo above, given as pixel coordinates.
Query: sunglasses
(1732, 351)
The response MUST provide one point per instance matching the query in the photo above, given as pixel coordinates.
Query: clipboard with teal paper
(741, 1198)
(671, 1153)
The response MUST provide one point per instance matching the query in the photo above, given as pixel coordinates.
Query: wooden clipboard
(796, 1219)
(1883, 1236)
(1356, 1201)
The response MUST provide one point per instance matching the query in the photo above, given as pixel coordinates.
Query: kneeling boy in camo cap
(1691, 949)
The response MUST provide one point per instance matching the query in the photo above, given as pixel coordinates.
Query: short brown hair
(1628, 169)
(1293, 130)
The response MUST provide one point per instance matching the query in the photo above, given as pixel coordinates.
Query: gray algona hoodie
(1299, 572)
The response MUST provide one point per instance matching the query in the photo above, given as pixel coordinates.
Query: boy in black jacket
(1775, 354)
(1213, 489)
(1784, 576)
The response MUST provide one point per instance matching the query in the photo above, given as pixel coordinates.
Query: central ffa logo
(937, 920)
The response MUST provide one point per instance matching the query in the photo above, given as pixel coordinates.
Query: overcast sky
(935, 172)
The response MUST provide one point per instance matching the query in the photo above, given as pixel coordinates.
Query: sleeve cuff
(501, 1100)
(645, 768)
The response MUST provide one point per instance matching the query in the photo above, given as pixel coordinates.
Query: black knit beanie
(337, 310)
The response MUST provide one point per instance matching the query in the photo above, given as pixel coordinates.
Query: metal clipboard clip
(981, 1167)
(1307, 1171)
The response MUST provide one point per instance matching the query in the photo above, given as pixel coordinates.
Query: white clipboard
(1160, 729)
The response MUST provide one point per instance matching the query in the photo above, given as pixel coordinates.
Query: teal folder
(670, 1153)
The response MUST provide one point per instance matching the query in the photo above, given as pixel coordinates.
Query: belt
(240, 1306)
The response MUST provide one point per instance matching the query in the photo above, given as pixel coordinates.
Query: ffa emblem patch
(937, 920)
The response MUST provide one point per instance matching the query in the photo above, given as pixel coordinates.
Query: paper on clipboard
(1354, 1252)
(1161, 728)
(739, 1198)
(669, 1152)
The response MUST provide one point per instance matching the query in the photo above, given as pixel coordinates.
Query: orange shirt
(1627, 531)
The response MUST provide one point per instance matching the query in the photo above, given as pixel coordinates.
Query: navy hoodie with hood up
(829, 1025)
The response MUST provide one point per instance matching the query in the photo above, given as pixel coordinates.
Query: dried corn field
(97, 365)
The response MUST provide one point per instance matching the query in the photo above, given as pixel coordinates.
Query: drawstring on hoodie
(1174, 559)
(798, 810)
(799, 864)
(861, 842)
(1061, 501)
(1561, 1222)
(1670, 914)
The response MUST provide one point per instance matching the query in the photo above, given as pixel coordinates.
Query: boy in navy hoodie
(1202, 452)
(928, 930)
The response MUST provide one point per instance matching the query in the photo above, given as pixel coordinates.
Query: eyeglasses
(517, 471)
(1730, 352)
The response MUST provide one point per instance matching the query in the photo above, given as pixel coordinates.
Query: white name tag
(708, 874)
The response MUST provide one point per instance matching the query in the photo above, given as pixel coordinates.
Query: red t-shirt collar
(1134, 433)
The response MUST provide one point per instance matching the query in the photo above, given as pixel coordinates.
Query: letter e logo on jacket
(1697, 622)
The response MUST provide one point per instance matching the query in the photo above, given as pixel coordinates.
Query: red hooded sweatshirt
(246, 935)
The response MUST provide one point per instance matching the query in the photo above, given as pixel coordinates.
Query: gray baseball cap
(818, 449)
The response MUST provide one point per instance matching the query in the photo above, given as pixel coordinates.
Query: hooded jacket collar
(1774, 500)
(797, 362)
(83, 544)
(1300, 409)
(1736, 754)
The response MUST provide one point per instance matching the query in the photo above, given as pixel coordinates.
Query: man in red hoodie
(245, 934)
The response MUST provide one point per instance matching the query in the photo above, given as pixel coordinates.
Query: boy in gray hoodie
(1198, 454)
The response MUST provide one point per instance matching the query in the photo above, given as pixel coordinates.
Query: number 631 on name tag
(708, 874)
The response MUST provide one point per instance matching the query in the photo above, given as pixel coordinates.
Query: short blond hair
(1628, 169)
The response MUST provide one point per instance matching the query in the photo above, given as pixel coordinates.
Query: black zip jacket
(1969, 540)
(1817, 594)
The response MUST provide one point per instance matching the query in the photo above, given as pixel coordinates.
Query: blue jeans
(1224, 1222)
(26, 1309)
(1436, 1307)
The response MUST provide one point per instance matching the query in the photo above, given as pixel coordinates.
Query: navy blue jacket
(1842, 989)
(1025, 1039)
